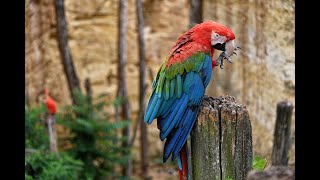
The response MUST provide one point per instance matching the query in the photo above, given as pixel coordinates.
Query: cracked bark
(221, 140)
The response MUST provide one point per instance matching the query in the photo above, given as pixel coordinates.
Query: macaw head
(217, 36)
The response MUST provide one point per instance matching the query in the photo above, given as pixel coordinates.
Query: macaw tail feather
(183, 163)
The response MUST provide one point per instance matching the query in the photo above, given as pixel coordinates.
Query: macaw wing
(176, 98)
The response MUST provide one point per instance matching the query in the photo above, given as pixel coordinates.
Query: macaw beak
(229, 48)
(221, 47)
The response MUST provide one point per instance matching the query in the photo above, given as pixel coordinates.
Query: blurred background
(260, 76)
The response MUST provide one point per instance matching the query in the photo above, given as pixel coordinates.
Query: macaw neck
(214, 64)
(212, 53)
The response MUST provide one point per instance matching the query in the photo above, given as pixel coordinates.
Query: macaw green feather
(179, 86)
(160, 84)
(188, 66)
(169, 77)
(172, 83)
(192, 63)
(167, 90)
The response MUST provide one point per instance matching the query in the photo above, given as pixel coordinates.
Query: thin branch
(125, 112)
(142, 95)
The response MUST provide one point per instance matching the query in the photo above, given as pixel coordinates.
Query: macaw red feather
(197, 39)
(183, 174)
(181, 54)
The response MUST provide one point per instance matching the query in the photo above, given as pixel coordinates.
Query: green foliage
(259, 163)
(35, 133)
(40, 165)
(95, 151)
(94, 138)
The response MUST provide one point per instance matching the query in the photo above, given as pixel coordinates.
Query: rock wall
(262, 74)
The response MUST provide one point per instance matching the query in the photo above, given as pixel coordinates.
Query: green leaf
(259, 163)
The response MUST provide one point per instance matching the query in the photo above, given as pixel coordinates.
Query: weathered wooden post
(50, 124)
(221, 140)
(281, 141)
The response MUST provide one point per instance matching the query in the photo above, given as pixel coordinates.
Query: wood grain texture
(221, 140)
(281, 141)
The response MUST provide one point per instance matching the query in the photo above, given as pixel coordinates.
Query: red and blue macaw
(180, 84)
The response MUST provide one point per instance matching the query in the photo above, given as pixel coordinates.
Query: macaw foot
(223, 56)
(235, 49)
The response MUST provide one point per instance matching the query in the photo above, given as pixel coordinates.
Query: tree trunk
(281, 142)
(196, 13)
(122, 87)
(221, 140)
(65, 53)
(142, 95)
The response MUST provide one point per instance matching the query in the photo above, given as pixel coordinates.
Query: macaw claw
(223, 56)
(237, 47)
(220, 59)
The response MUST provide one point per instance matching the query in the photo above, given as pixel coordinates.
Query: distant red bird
(50, 103)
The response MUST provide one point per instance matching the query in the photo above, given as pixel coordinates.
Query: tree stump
(281, 141)
(221, 140)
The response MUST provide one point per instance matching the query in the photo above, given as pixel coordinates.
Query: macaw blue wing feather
(175, 100)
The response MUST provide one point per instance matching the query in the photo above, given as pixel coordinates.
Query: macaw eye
(217, 38)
